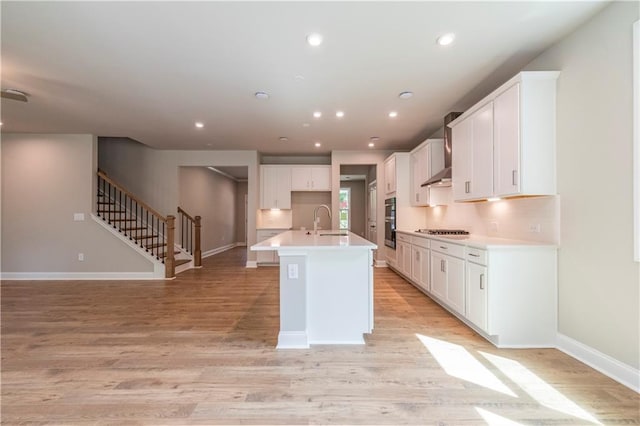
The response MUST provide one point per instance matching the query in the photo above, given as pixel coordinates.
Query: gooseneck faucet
(316, 220)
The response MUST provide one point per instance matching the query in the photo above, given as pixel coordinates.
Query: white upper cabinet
(473, 155)
(311, 178)
(390, 175)
(426, 160)
(514, 153)
(275, 187)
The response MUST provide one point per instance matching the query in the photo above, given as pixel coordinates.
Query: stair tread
(155, 245)
(133, 228)
(182, 261)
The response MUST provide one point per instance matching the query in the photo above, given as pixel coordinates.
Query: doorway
(360, 212)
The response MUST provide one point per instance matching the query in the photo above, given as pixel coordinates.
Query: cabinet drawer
(403, 237)
(420, 242)
(476, 255)
(448, 248)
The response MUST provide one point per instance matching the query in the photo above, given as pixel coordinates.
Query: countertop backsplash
(532, 219)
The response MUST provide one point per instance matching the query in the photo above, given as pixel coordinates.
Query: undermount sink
(337, 234)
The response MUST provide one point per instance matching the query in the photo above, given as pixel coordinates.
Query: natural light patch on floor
(537, 388)
(496, 420)
(458, 362)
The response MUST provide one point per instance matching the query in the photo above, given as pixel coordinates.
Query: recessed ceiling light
(374, 139)
(371, 144)
(199, 124)
(261, 95)
(317, 114)
(299, 77)
(339, 114)
(314, 39)
(446, 39)
(306, 124)
(393, 114)
(283, 139)
(209, 144)
(317, 144)
(405, 95)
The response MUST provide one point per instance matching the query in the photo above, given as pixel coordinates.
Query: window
(345, 201)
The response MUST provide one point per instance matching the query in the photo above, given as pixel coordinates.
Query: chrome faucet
(316, 219)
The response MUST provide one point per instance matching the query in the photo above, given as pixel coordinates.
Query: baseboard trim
(611, 367)
(239, 244)
(252, 264)
(292, 340)
(73, 276)
(381, 264)
(218, 250)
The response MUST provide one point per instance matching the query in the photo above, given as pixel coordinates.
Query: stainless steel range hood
(443, 177)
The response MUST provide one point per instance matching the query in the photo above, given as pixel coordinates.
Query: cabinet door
(420, 172)
(473, 155)
(455, 283)
(438, 275)
(477, 295)
(283, 188)
(321, 178)
(461, 159)
(506, 143)
(268, 182)
(420, 267)
(300, 178)
(482, 153)
(390, 175)
(406, 260)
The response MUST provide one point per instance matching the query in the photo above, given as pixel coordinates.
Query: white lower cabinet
(447, 278)
(270, 256)
(477, 295)
(420, 266)
(506, 293)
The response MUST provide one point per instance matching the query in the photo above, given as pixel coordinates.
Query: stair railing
(137, 220)
(190, 240)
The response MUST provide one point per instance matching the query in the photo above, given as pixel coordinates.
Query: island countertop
(325, 239)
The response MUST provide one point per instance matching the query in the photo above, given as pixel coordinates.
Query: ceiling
(149, 71)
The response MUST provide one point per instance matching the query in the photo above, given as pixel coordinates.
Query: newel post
(170, 260)
(197, 252)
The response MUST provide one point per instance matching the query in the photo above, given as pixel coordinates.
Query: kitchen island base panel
(329, 302)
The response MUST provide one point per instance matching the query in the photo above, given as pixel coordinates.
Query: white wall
(45, 180)
(599, 283)
(154, 174)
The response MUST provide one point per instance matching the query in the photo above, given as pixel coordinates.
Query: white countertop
(480, 241)
(307, 240)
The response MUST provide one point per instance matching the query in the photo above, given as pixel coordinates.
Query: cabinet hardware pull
(514, 177)
(467, 187)
(443, 248)
(442, 265)
(474, 255)
(481, 281)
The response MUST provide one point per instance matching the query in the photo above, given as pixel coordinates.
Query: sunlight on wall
(458, 362)
(537, 388)
(496, 420)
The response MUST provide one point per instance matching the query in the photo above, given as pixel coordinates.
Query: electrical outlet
(534, 228)
(292, 271)
(78, 217)
(81, 257)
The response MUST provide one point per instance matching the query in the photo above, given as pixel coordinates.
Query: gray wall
(212, 196)
(302, 206)
(241, 192)
(45, 180)
(358, 206)
(598, 280)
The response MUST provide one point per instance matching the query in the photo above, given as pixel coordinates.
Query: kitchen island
(326, 287)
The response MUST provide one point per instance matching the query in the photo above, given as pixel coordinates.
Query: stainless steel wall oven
(390, 222)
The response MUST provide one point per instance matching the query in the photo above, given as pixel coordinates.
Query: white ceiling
(149, 70)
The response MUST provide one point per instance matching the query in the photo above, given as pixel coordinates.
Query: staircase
(148, 229)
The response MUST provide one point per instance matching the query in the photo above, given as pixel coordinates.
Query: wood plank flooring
(201, 350)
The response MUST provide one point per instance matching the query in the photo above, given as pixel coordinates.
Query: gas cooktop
(443, 231)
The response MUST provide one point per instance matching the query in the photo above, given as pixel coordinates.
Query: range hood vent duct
(443, 177)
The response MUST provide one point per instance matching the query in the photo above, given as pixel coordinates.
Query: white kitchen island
(326, 287)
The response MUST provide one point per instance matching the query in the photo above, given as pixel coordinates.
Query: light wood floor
(200, 350)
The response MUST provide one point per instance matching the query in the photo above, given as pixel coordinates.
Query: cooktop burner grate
(443, 231)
